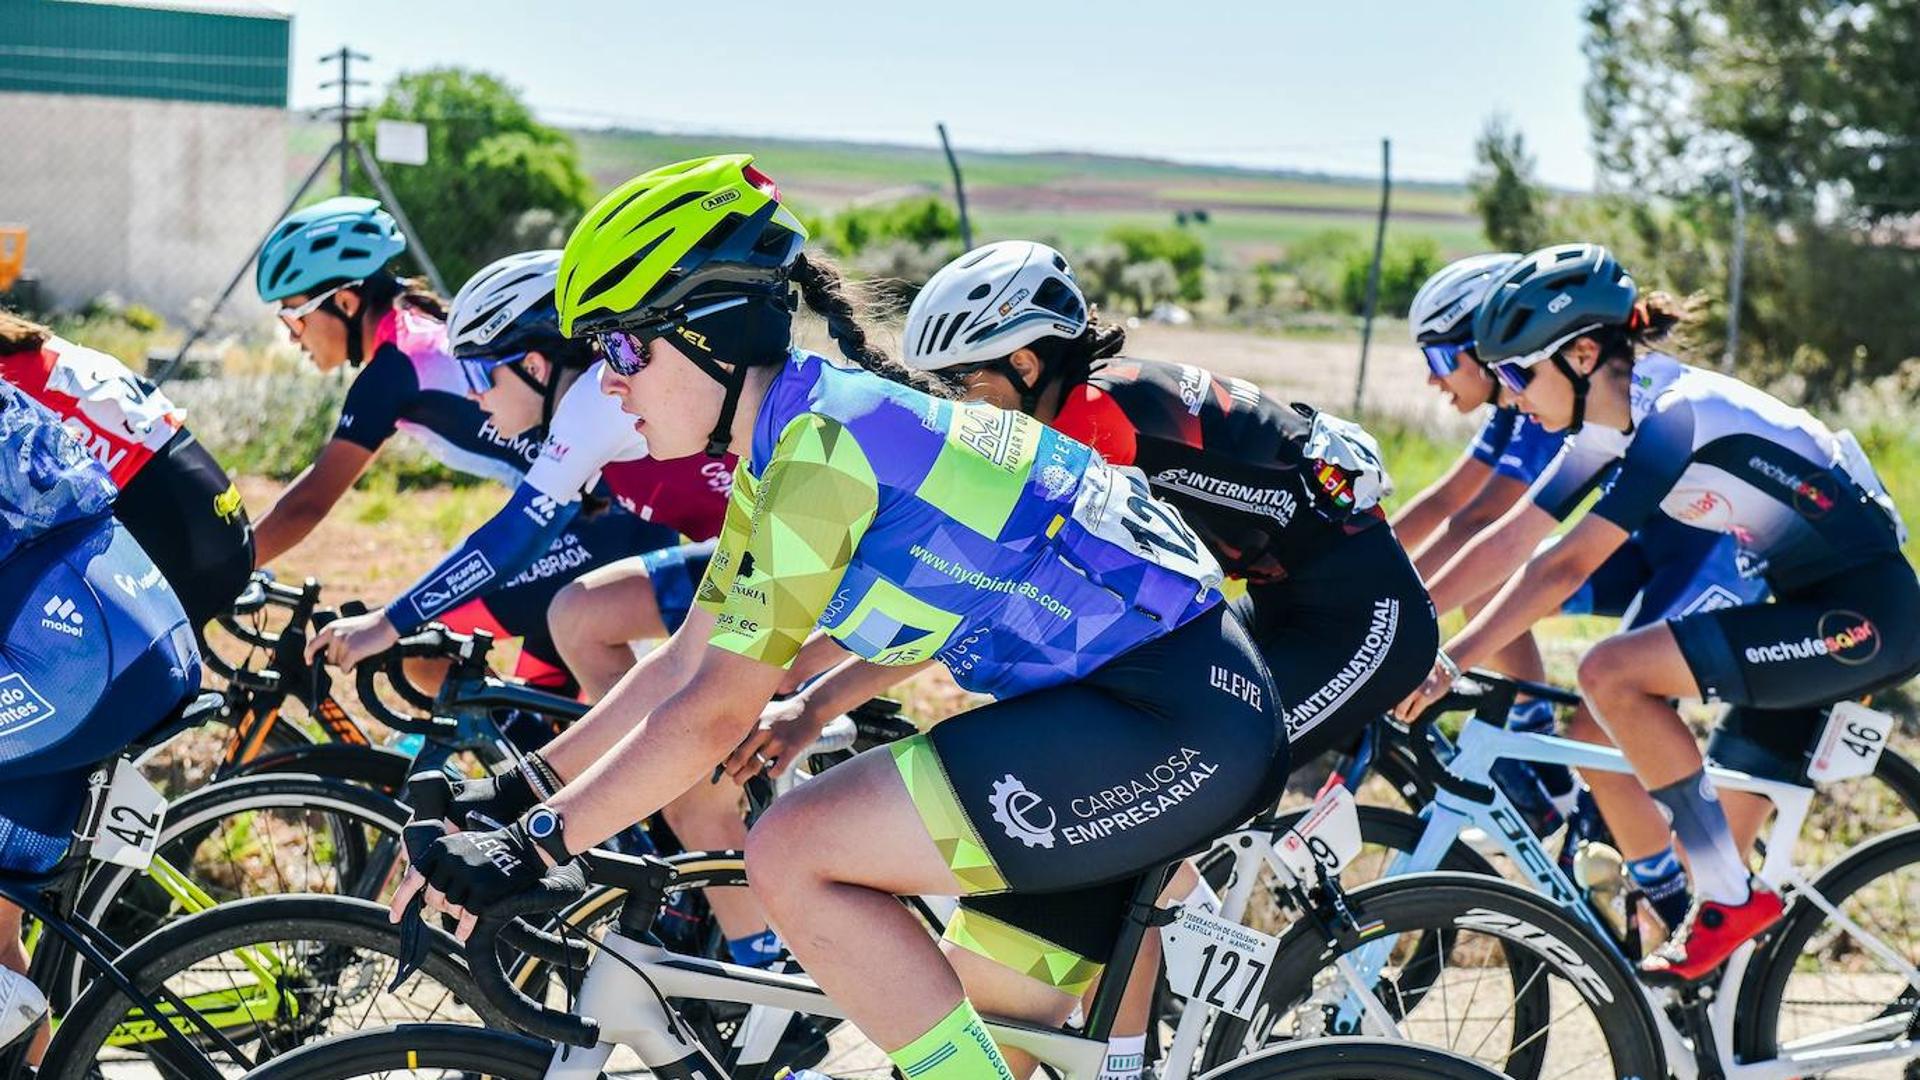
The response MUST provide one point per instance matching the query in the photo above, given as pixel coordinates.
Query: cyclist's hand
(1431, 689)
(786, 728)
(475, 870)
(352, 638)
(492, 801)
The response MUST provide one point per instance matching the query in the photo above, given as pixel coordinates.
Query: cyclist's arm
(1490, 558)
(1424, 514)
(819, 655)
(307, 501)
(1494, 498)
(1539, 590)
(493, 554)
(853, 682)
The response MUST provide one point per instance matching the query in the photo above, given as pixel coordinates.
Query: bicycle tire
(1352, 1059)
(377, 767)
(1764, 987)
(1538, 938)
(451, 1048)
(334, 922)
(128, 904)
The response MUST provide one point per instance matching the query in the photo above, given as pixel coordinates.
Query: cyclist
(174, 497)
(1286, 497)
(508, 351)
(1569, 332)
(504, 576)
(95, 650)
(912, 529)
(1666, 569)
(327, 267)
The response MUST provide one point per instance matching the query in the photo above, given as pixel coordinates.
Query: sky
(1270, 83)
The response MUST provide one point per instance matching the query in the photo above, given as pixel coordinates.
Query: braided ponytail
(827, 293)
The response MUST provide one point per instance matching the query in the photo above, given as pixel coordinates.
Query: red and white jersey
(99, 401)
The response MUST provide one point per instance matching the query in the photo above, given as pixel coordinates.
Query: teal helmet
(340, 239)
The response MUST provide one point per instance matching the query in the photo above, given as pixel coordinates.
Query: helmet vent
(619, 272)
(958, 321)
(667, 208)
(323, 243)
(931, 331)
(1054, 296)
(980, 291)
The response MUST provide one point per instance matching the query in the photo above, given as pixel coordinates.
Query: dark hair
(381, 291)
(19, 334)
(1071, 360)
(828, 294)
(1656, 317)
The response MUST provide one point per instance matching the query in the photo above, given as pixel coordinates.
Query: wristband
(540, 776)
(1446, 664)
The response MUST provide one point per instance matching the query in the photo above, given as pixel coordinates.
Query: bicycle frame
(1466, 797)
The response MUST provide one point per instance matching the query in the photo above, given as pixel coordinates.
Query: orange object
(13, 254)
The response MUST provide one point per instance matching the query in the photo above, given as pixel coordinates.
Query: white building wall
(157, 201)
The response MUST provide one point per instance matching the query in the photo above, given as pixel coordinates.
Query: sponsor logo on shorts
(1023, 814)
(1354, 674)
(1701, 506)
(1714, 597)
(1846, 637)
(1235, 685)
(1271, 502)
(21, 706)
(58, 615)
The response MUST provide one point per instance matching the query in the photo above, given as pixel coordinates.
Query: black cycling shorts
(1781, 664)
(1346, 637)
(1063, 797)
(185, 512)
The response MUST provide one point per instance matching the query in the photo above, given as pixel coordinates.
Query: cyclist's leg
(1090, 782)
(594, 618)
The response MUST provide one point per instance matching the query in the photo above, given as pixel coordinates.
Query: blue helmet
(340, 239)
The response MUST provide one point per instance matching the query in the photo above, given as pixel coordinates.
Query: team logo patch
(1019, 810)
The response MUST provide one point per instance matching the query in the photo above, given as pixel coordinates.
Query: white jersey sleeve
(589, 431)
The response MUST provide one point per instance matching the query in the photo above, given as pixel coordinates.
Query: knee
(777, 851)
(565, 613)
(1602, 672)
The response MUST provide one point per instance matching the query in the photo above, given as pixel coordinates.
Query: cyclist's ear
(348, 303)
(1584, 354)
(1028, 364)
(535, 364)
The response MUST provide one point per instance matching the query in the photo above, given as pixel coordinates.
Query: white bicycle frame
(1451, 812)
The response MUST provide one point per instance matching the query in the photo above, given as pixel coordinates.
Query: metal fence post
(1373, 274)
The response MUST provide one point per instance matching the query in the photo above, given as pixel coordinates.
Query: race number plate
(1328, 836)
(1218, 963)
(1851, 744)
(1116, 504)
(130, 820)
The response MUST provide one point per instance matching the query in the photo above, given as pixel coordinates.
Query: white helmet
(1443, 308)
(508, 304)
(991, 301)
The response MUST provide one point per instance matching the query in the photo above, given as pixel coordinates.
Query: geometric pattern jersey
(914, 528)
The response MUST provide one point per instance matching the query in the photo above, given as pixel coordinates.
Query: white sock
(1126, 1058)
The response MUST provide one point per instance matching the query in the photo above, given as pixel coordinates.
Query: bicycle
(1744, 1025)
(631, 983)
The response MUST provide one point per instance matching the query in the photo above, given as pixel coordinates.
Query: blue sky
(1284, 83)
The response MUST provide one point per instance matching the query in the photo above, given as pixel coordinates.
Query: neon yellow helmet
(694, 229)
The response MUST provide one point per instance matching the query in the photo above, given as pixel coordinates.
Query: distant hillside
(1071, 197)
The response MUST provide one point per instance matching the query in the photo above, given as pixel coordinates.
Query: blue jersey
(1514, 444)
(46, 478)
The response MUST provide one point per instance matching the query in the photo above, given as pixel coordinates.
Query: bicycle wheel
(1478, 966)
(250, 836)
(431, 1050)
(1815, 982)
(268, 974)
(1352, 1059)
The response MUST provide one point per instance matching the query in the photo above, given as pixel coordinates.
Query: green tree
(1178, 248)
(1404, 266)
(489, 163)
(1510, 203)
(924, 222)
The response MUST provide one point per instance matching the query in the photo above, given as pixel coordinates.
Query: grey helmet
(1444, 307)
(1552, 295)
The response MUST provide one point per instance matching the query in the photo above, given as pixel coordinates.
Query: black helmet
(1551, 295)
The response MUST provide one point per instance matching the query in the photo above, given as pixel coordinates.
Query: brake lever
(413, 940)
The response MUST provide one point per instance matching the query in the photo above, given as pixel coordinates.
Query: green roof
(170, 53)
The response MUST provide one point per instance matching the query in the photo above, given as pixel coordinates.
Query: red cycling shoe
(1709, 934)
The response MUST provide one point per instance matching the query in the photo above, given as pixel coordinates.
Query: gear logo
(1014, 807)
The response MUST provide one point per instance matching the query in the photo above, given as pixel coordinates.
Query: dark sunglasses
(1514, 375)
(625, 351)
(1444, 360)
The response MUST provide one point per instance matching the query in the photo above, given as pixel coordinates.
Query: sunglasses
(478, 370)
(292, 316)
(1444, 360)
(625, 351)
(1517, 373)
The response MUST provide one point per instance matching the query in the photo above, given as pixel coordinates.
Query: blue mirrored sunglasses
(478, 370)
(1514, 375)
(1444, 360)
(624, 351)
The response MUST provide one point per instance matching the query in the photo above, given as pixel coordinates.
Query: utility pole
(959, 188)
(1736, 273)
(345, 110)
(1373, 275)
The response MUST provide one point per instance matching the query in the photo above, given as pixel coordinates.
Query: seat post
(1105, 1008)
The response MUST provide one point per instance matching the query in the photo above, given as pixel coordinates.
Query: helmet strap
(722, 435)
(1029, 392)
(1580, 384)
